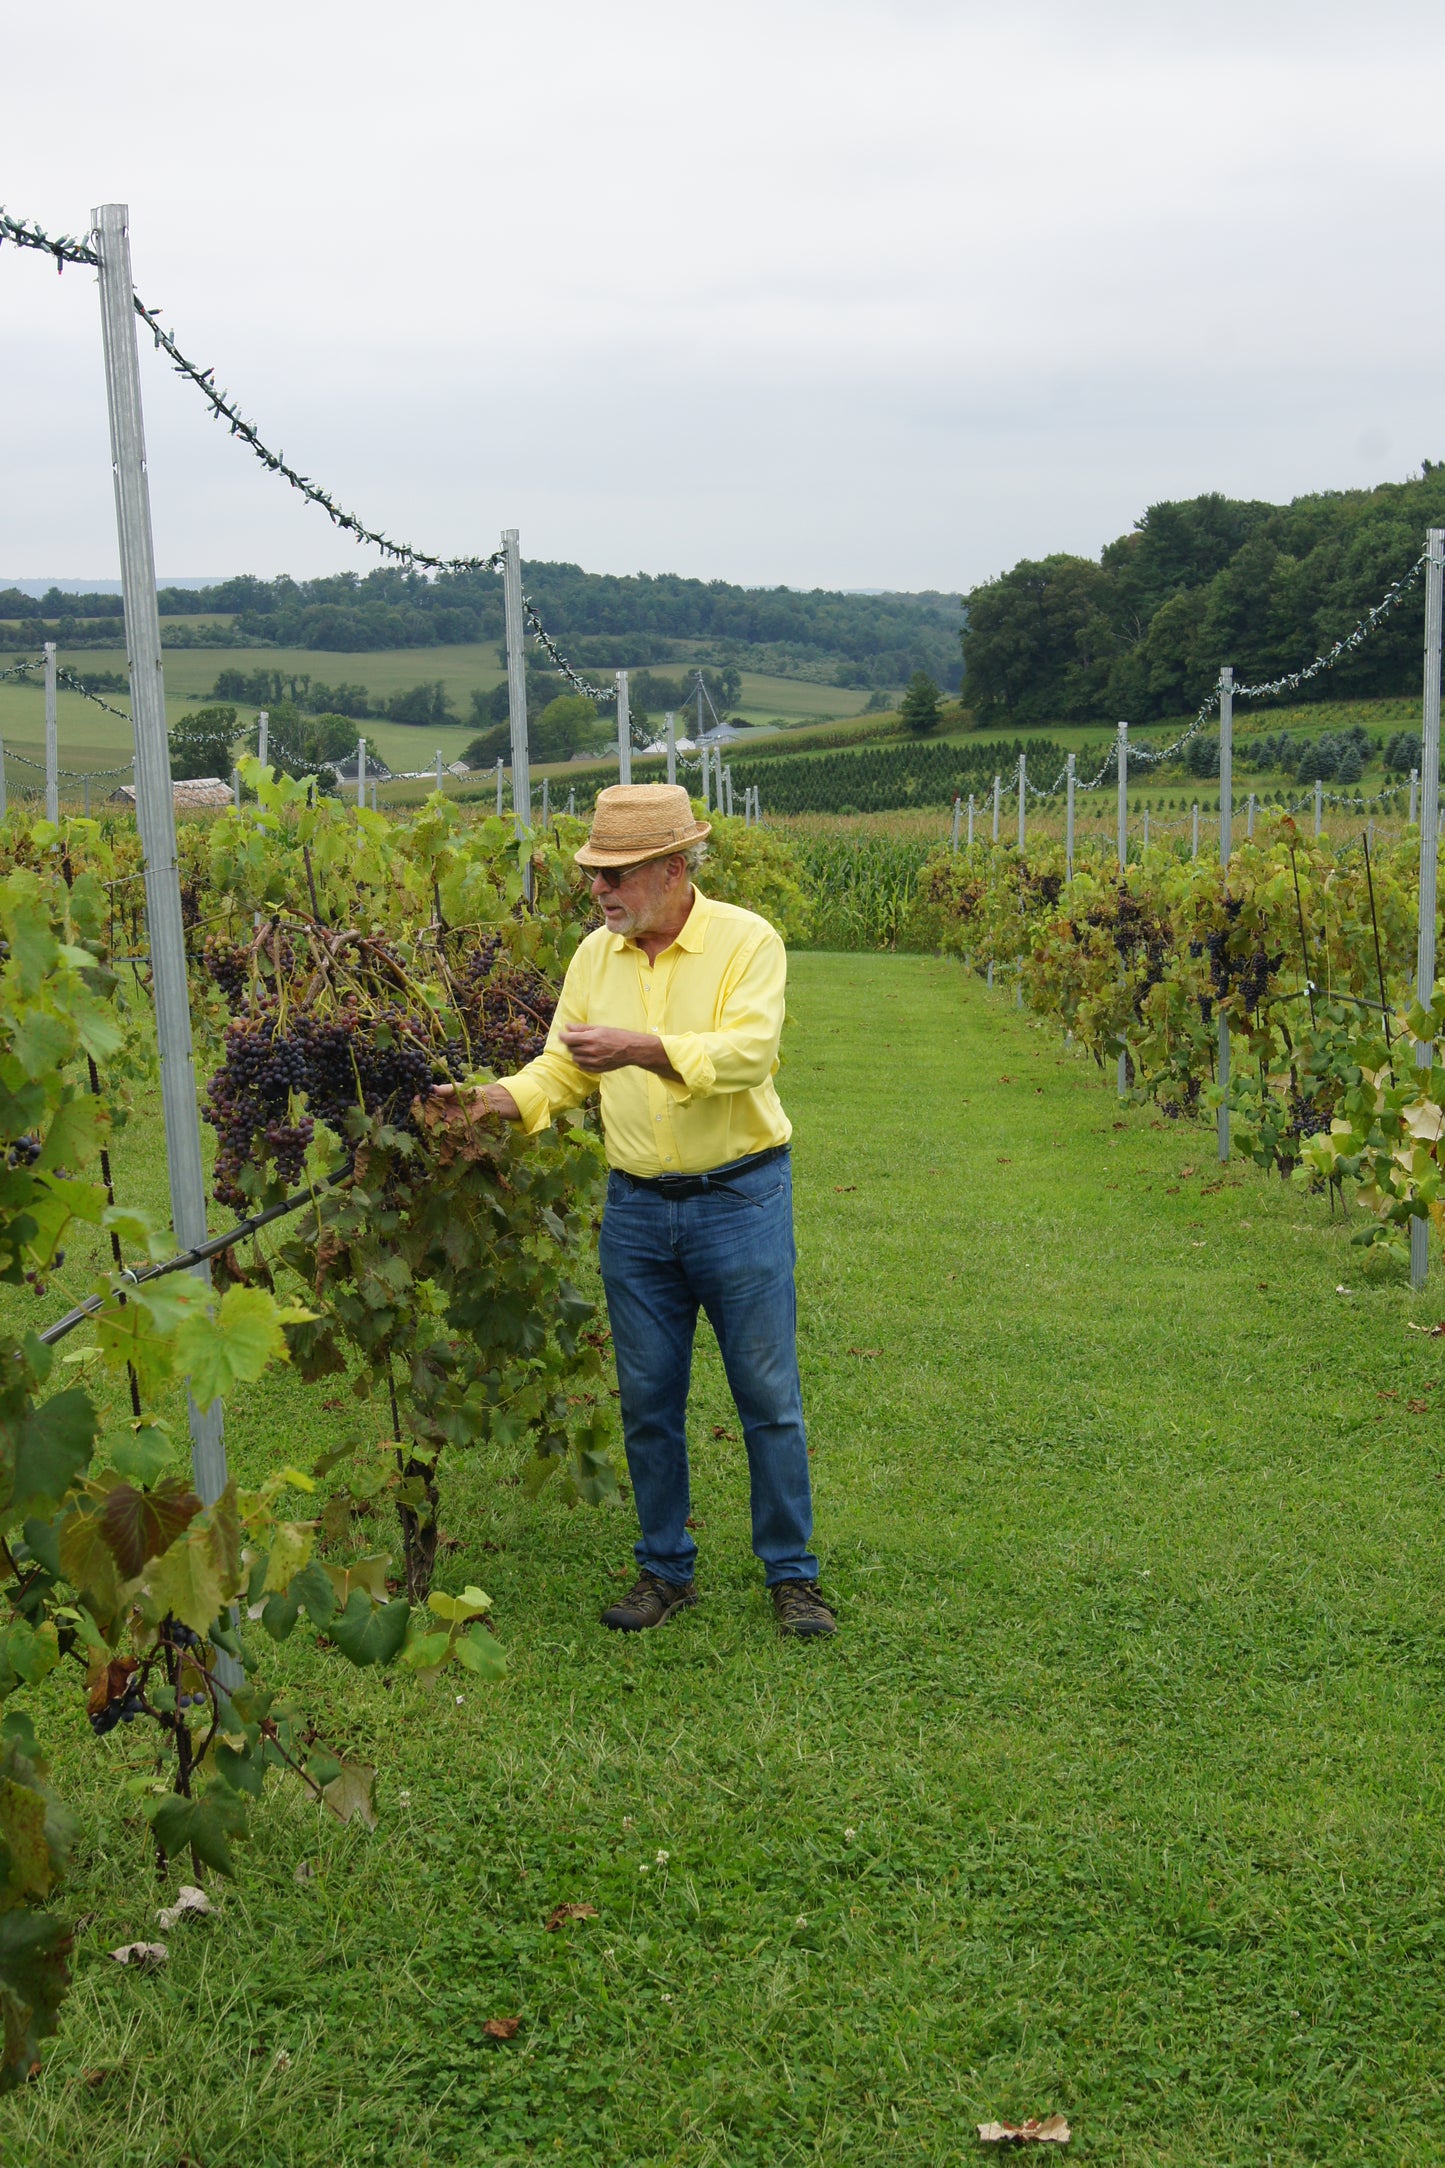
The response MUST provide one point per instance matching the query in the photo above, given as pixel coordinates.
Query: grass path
(1119, 1793)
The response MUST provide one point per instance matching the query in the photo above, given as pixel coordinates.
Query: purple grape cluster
(229, 966)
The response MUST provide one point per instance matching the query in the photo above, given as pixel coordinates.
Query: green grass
(1119, 1793)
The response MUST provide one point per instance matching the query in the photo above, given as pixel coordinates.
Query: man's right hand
(486, 1099)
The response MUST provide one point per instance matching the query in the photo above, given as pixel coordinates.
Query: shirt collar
(693, 936)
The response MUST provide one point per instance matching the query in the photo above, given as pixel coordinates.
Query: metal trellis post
(970, 820)
(1429, 840)
(517, 692)
(263, 737)
(52, 739)
(1414, 791)
(1123, 847)
(546, 806)
(155, 800)
(1069, 821)
(997, 795)
(4, 797)
(624, 730)
(1023, 797)
(572, 802)
(671, 748)
(957, 817)
(440, 784)
(1226, 852)
(499, 785)
(85, 791)
(706, 778)
(1249, 820)
(1319, 805)
(728, 789)
(235, 786)
(360, 773)
(1194, 852)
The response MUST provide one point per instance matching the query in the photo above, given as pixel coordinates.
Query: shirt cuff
(533, 1104)
(690, 1058)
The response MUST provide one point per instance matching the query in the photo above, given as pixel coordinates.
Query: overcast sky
(839, 294)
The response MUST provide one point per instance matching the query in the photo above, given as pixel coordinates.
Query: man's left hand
(598, 1047)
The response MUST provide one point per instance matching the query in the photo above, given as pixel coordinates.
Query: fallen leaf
(1004, 1160)
(697, 1522)
(144, 1955)
(501, 2028)
(1005, 1080)
(304, 1873)
(1418, 1407)
(350, 1793)
(1341, 1289)
(1052, 2131)
(867, 1353)
(1386, 1394)
(94, 2079)
(562, 1913)
(188, 1899)
(1171, 1189)
(720, 1430)
(845, 1189)
(1186, 1172)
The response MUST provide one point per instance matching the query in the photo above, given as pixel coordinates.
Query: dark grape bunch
(123, 1710)
(229, 966)
(508, 1010)
(378, 1063)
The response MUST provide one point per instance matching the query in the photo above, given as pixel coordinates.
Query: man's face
(643, 898)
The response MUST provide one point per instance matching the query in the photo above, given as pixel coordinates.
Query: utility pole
(155, 801)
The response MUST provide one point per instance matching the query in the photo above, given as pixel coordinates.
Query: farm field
(1118, 1794)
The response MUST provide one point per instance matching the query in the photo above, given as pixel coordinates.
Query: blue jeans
(729, 1251)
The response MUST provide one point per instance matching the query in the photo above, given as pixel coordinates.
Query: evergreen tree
(919, 710)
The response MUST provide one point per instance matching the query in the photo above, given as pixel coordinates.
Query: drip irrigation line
(211, 1247)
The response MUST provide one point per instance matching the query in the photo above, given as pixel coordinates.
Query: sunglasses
(614, 876)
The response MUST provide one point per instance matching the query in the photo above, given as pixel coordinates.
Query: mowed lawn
(1119, 1793)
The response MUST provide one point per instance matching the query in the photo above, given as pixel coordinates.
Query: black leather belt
(674, 1186)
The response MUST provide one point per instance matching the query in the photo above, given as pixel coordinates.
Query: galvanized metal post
(1123, 852)
(671, 748)
(1023, 797)
(440, 784)
(624, 730)
(957, 818)
(1414, 791)
(1146, 827)
(546, 806)
(572, 802)
(235, 786)
(997, 796)
(1226, 852)
(52, 739)
(970, 820)
(499, 785)
(263, 737)
(360, 774)
(517, 692)
(706, 778)
(728, 788)
(1069, 821)
(4, 795)
(1194, 853)
(1249, 820)
(155, 801)
(1319, 804)
(85, 791)
(1429, 840)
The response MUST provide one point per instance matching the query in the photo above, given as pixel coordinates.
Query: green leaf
(72, 1137)
(322, 1768)
(428, 1652)
(242, 1768)
(471, 1603)
(281, 1613)
(201, 1825)
(312, 1587)
(53, 1448)
(42, 1044)
(186, 1582)
(87, 1561)
(369, 1636)
(34, 1975)
(141, 1451)
(482, 1654)
(140, 1524)
(292, 1543)
(232, 1346)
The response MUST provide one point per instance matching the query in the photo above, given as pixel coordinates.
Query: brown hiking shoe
(649, 1602)
(801, 1610)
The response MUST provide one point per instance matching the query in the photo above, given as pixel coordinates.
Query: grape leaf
(291, 1546)
(230, 1346)
(369, 1636)
(203, 1825)
(141, 1451)
(187, 1583)
(349, 1795)
(34, 1975)
(481, 1653)
(52, 1448)
(140, 1524)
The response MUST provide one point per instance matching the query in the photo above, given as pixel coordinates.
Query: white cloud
(843, 293)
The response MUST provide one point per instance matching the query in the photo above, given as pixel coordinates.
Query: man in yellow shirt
(674, 1008)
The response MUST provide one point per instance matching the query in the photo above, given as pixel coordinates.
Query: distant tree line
(1142, 633)
(606, 621)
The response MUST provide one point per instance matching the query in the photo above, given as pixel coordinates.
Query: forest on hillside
(1142, 631)
(602, 620)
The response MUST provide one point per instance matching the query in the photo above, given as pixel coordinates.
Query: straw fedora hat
(633, 822)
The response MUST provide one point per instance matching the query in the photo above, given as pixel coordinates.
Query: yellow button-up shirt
(715, 998)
